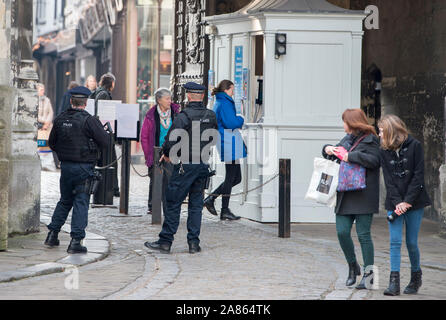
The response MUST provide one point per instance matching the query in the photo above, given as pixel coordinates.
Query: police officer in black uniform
(76, 138)
(189, 176)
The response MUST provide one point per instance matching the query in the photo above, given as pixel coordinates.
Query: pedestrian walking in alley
(187, 178)
(45, 111)
(103, 92)
(45, 117)
(91, 83)
(362, 146)
(156, 124)
(231, 149)
(76, 138)
(402, 160)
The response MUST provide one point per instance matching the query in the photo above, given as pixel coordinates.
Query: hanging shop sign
(92, 22)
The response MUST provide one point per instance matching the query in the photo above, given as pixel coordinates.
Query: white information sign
(90, 106)
(107, 111)
(128, 117)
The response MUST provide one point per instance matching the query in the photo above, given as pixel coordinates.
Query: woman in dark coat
(103, 92)
(402, 160)
(358, 206)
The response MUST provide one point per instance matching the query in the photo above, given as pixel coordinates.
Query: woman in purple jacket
(156, 124)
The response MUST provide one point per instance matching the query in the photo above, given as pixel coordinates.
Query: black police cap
(80, 92)
(193, 87)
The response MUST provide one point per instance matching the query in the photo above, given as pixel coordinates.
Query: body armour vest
(72, 142)
(200, 137)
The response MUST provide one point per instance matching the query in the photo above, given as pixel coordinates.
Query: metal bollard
(157, 189)
(125, 177)
(284, 197)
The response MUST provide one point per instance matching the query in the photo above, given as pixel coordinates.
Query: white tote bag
(324, 182)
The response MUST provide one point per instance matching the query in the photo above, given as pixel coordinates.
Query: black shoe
(194, 247)
(116, 193)
(161, 247)
(76, 247)
(354, 270)
(209, 204)
(226, 214)
(394, 284)
(414, 284)
(149, 211)
(51, 239)
(366, 281)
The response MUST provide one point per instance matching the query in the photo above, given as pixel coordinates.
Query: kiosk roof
(294, 6)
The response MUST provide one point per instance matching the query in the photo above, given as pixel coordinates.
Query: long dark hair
(222, 86)
(107, 81)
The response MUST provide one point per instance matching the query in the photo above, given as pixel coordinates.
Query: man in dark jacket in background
(65, 104)
(103, 92)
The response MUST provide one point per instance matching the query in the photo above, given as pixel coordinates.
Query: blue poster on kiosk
(238, 78)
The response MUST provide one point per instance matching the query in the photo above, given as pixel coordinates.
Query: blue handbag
(352, 176)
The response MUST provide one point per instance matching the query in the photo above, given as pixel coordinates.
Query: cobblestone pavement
(240, 260)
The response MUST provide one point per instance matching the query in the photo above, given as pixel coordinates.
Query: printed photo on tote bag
(324, 182)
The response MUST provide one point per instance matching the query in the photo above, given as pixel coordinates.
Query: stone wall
(410, 50)
(19, 161)
(24, 186)
(6, 98)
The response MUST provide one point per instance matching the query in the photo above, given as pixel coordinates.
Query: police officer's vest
(72, 143)
(204, 119)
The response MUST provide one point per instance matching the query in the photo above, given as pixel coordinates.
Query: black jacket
(367, 155)
(206, 118)
(71, 134)
(404, 175)
(100, 94)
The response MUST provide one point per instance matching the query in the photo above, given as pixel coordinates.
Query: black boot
(394, 284)
(209, 204)
(226, 214)
(194, 247)
(366, 281)
(51, 239)
(161, 247)
(76, 247)
(415, 283)
(354, 270)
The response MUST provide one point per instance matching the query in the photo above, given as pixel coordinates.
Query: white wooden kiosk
(305, 92)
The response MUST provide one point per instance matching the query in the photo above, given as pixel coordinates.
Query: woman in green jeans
(358, 206)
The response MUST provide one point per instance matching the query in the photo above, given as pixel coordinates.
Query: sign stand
(127, 129)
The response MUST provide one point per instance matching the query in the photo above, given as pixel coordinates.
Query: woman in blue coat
(231, 149)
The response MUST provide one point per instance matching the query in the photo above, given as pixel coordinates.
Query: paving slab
(27, 256)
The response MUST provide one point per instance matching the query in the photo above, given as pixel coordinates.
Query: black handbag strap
(358, 142)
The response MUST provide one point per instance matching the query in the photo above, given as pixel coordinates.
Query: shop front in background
(155, 49)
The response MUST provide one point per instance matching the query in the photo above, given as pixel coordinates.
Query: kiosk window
(259, 55)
